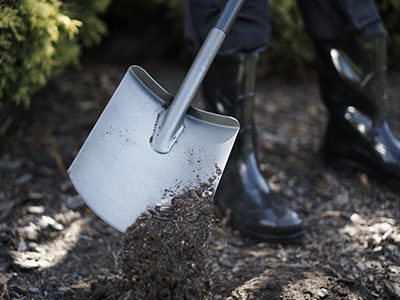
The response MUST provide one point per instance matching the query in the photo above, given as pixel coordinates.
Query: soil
(53, 247)
(164, 253)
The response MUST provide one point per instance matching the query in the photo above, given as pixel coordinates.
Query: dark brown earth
(53, 247)
(165, 252)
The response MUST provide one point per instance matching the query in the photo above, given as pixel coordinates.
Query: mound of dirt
(164, 253)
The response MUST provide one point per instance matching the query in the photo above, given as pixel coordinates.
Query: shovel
(148, 146)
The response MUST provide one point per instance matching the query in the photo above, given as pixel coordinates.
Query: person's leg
(249, 33)
(350, 45)
(229, 88)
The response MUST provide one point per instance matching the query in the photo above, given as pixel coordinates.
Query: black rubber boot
(255, 209)
(352, 77)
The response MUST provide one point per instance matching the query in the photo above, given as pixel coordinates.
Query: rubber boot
(243, 191)
(352, 75)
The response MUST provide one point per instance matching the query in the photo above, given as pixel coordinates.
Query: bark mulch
(53, 247)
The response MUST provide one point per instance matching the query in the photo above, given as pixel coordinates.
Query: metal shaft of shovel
(170, 124)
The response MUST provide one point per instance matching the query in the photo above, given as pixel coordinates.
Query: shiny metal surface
(345, 67)
(119, 174)
(169, 126)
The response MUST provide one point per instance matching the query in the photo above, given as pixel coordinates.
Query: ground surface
(53, 247)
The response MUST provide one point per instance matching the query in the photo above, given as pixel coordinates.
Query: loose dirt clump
(164, 253)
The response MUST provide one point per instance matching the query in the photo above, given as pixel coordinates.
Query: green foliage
(390, 11)
(290, 47)
(38, 38)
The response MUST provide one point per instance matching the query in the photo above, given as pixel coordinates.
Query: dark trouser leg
(350, 44)
(249, 34)
(229, 88)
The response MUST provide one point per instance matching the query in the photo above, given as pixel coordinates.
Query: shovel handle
(229, 14)
(170, 124)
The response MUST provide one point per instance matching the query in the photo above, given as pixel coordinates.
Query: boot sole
(261, 237)
(293, 237)
(345, 164)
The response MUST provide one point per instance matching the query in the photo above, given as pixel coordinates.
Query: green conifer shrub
(38, 38)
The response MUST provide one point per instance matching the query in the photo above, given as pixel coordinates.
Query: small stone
(287, 192)
(35, 209)
(380, 228)
(48, 221)
(376, 239)
(66, 185)
(24, 179)
(30, 231)
(395, 237)
(322, 293)
(342, 198)
(74, 202)
(10, 165)
(206, 193)
(22, 246)
(361, 266)
(356, 219)
(235, 269)
(306, 292)
(342, 291)
(394, 269)
(376, 295)
(35, 196)
(33, 246)
(34, 289)
(62, 289)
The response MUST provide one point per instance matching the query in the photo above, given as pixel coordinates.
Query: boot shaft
(229, 89)
(229, 82)
(352, 75)
(243, 191)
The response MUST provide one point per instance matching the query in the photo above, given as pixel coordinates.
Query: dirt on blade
(165, 252)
